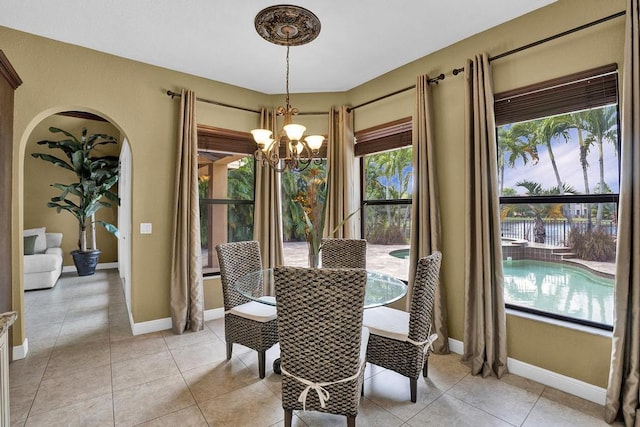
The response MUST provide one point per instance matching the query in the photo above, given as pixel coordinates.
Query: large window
(387, 174)
(227, 180)
(558, 178)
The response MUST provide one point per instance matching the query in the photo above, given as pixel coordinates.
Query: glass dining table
(381, 289)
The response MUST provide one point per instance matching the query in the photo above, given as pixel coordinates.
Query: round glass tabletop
(381, 288)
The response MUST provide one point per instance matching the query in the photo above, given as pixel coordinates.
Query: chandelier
(287, 25)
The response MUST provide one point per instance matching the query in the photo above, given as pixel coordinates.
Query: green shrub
(592, 245)
(391, 235)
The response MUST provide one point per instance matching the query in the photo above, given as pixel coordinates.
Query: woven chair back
(424, 289)
(236, 259)
(344, 253)
(320, 320)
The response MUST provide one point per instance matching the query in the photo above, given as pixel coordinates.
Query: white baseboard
(20, 351)
(164, 324)
(214, 313)
(100, 266)
(456, 346)
(150, 326)
(561, 382)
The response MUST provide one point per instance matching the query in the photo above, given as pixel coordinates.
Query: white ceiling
(216, 39)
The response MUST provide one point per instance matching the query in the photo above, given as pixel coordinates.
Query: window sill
(561, 323)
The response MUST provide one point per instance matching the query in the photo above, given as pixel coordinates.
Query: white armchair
(42, 268)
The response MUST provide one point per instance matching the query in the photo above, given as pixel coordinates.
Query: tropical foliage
(95, 175)
(592, 245)
(240, 188)
(388, 179)
(311, 199)
(302, 192)
(527, 145)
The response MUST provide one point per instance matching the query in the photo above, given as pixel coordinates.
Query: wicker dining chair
(322, 341)
(400, 341)
(246, 322)
(344, 253)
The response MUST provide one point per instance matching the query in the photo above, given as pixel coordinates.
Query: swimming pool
(559, 289)
(404, 253)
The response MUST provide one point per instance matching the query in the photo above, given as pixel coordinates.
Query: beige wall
(59, 77)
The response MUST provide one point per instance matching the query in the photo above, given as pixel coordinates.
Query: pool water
(400, 253)
(560, 289)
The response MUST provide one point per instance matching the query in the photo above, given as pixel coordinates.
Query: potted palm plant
(90, 192)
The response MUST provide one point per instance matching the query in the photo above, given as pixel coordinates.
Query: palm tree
(578, 122)
(516, 141)
(602, 125)
(549, 129)
(554, 211)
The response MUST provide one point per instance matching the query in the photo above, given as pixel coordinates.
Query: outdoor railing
(557, 230)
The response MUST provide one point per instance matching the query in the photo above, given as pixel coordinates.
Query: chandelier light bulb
(314, 142)
(262, 136)
(294, 131)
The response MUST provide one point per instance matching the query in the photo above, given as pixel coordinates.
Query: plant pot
(86, 261)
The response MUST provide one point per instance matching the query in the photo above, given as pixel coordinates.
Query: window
(558, 178)
(387, 173)
(227, 181)
(301, 191)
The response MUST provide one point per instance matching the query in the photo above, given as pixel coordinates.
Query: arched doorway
(38, 176)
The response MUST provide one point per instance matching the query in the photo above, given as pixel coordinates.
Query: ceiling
(216, 39)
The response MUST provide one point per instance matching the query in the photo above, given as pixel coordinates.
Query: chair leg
(425, 368)
(414, 389)
(351, 421)
(229, 349)
(288, 415)
(261, 363)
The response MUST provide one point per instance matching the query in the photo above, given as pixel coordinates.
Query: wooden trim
(225, 140)
(8, 72)
(384, 137)
(587, 89)
(82, 115)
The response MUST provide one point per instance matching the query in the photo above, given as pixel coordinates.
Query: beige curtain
(425, 209)
(624, 375)
(341, 168)
(485, 340)
(267, 225)
(187, 300)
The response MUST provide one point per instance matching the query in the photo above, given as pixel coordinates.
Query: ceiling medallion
(287, 25)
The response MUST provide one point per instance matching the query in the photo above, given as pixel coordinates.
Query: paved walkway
(378, 258)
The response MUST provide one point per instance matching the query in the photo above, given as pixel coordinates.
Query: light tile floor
(84, 368)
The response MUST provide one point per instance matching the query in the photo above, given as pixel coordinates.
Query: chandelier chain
(287, 80)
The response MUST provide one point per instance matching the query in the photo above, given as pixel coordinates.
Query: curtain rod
(222, 104)
(208, 101)
(457, 71)
(433, 80)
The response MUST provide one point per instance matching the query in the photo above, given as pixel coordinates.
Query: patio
(378, 258)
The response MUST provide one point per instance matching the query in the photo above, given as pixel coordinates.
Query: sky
(568, 162)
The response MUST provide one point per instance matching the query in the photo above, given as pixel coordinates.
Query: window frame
(378, 139)
(594, 88)
(226, 141)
